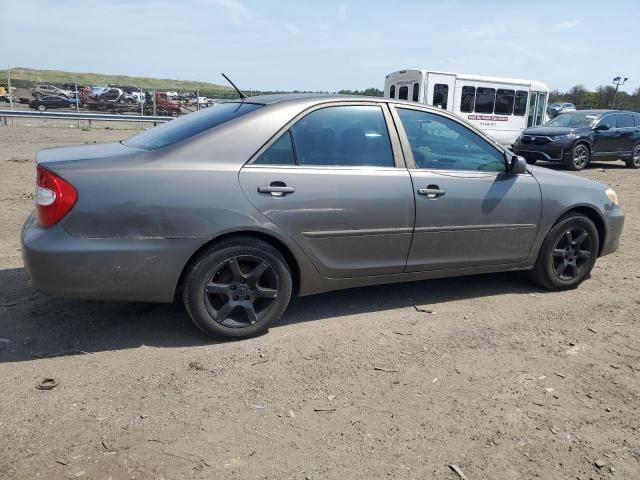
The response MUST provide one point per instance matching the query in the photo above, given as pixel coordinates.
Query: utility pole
(617, 81)
(9, 87)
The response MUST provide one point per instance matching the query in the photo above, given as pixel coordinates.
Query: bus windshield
(573, 120)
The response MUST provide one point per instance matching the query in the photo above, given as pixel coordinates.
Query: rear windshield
(573, 120)
(177, 130)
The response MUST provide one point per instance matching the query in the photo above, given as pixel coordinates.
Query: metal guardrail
(108, 117)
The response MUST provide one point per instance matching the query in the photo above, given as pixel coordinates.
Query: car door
(470, 211)
(626, 133)
(333, 182)
(605, 142)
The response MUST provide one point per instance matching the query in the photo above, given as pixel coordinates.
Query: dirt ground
(502, 379)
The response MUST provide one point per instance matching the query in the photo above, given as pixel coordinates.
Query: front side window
(609, 120)
(392, 91)
(440, 143)
(416, 91)
(625, 120)
(279, 153)
(440, 95)
(504, 102)
(520, 106)
(485, 100)
(185, 127)
(348, 135)
(468, 99)
(403, 93)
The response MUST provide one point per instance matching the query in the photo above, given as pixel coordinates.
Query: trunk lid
(48, 157)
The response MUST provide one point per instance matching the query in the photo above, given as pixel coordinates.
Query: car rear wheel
(42, 108)
(634, 160)
(237, 288)
(568, 253)
(580, 157)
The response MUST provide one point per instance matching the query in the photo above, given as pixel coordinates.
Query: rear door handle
(276, 189)
(432, 191)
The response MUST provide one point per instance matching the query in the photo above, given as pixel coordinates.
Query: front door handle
(432, 191)
(276, 189)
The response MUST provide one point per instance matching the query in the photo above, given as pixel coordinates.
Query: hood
(94, 151)
(548, 131)
(559, 178)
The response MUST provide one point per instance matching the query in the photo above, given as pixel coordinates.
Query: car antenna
(240, 93)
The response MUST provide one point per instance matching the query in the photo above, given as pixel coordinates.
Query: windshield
(177, 130)
(573, 120)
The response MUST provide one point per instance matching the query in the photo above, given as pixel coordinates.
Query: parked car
(238, 207)
(52, 101)
(48, 90)
(554, 109)
(575, 138)
(95, 91)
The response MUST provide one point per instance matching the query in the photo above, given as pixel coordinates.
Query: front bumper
(550, 152)
(614, 223)
(60, 264)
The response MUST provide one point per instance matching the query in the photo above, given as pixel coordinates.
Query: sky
(326, 45)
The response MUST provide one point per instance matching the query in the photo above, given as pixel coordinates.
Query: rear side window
(504, 102)
(609, 120)
(485, 100)
(625, 120)
(440, 95)
(279, 153)
(416, 91)
(403, 93)
(637, 118)
(520, 106)
(185, 127)
(468, 99)
(392, 91)
(348, 135)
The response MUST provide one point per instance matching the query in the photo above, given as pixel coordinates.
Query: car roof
(597, 112)
(323, 97)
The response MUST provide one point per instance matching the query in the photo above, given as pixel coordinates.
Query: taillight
(54, 197)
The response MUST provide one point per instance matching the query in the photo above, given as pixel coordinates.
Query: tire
(42, 108)
(531, 161)
(568, 253)
(580, 157)
(233, 278)
(634, 160)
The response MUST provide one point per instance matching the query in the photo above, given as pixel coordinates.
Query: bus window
(392, 91)
(520, 106)
(485, 100)
(468, 99)
(504, 102)
(440, 95)
(540, 108)
(416, 91)
(532, 109)
(403, 93)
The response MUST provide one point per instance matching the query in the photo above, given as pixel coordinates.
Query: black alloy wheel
(634, 160)
(237, 287)
(572, 253)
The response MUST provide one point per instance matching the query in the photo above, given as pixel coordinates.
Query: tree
(577, 94)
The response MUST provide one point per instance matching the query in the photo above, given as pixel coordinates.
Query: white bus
(502, 107)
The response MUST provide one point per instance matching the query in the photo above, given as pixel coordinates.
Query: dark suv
(575, 138)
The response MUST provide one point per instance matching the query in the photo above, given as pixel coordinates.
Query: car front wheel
(634, 160)
(42, 108)
(568, 253)
(580, 156)
(237, 288)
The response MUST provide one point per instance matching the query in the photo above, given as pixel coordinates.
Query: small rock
(144, 416)
(291, 414)
(79, 474)
(600, 463)
(542, 377)
(330, 397)
(61, 461)
(548, 390)
(591, 329)
(608, 409)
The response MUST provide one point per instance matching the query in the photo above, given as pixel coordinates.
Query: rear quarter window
(185, 127)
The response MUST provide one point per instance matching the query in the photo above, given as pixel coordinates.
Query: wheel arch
(592, 214)
(584, 141)
(278, 244)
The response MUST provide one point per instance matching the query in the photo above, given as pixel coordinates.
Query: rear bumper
(59, 264)
(614, 220)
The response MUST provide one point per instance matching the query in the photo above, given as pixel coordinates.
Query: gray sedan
(238, 207)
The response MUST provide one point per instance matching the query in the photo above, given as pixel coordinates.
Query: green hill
(27, 77)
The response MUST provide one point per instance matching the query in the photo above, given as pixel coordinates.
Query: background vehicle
(47, 102)
(501, 107)
(239, 206)
(575, 138)
(559, 107)
(42, 90)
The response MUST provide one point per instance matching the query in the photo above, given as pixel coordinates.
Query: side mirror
(517, 165)
(601, 127)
